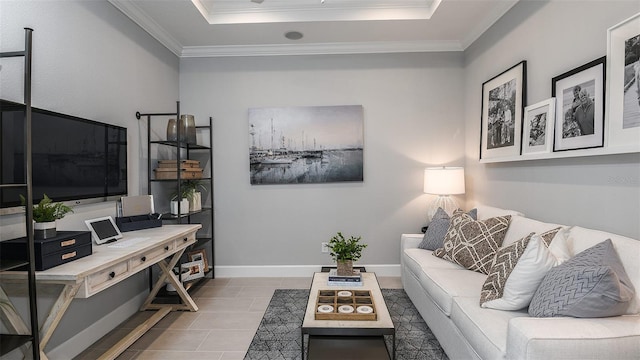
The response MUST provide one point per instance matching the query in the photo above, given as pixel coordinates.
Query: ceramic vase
(44, 230)
(195, 203)
(183, 205)
(345, 267)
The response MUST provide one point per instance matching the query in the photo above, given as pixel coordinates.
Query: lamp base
(446, 202)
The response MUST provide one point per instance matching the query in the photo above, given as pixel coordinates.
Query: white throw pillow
(532, 266)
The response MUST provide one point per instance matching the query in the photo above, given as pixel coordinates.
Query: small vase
(345, 267)
(172, 130)
(195, 204)
(188, 124)
(44, 230)
(182, 204)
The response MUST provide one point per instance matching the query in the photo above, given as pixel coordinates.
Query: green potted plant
(193, 192)
(45, 214)
(180, 202)
(345, 251)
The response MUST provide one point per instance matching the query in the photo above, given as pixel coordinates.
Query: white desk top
(104, 255)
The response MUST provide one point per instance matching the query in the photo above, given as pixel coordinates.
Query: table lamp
(443, 181)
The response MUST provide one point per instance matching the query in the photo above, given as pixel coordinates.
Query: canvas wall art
(302, 145)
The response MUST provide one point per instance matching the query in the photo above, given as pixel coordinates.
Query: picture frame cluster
(594, 105)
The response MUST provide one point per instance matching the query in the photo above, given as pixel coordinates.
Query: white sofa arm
(410, 241)
(572, 338)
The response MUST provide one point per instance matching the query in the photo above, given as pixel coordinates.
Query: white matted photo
(537, 136)
(623, 73)
(579, 120)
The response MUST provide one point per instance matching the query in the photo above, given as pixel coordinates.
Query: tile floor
(230, 312)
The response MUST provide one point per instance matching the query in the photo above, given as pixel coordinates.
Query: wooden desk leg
(55, 314)
(12, 320)
(167, 273)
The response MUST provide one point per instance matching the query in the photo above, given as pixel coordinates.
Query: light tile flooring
(230, 312)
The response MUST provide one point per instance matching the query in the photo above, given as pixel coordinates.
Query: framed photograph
(537, 134)
(306, 144)
(503, 99)
(623, 73)
(199, 255)
(192, 270)
(579, 93)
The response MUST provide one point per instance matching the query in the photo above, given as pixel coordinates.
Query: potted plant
(345, 251)
(180, 203)
(193, 192)
(45, 214)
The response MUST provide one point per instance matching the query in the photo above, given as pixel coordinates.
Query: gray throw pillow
(591, 284)
(434, 236)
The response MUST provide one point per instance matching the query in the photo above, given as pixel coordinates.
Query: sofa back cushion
(486, 212)
(521, 226)
(628, 250)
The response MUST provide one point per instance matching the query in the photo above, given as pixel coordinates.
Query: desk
(108, 265)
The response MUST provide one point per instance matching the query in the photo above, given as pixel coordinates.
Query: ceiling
(213, 28)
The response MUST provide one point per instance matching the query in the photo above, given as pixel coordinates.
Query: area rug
(278, 336)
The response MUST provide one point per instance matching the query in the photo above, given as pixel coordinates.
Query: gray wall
(601, 192)
(89, 61)
(409, 100)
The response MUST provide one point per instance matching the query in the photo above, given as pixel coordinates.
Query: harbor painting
(304, 145)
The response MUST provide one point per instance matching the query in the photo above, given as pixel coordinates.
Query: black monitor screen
(73, 158)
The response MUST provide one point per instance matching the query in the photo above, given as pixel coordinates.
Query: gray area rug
(278, 336)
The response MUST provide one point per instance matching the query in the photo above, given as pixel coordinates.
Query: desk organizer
(335, 305)
(139, 222)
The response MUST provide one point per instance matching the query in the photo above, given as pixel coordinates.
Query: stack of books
(339, 280)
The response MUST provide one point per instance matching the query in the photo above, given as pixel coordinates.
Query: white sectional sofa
(448, 296)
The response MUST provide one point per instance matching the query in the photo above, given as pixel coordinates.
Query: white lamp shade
(444, 180)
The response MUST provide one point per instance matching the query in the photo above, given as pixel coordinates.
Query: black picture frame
(580, 107)
(503, 99)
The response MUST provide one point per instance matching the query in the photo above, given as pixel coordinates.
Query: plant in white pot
(193, 192)
(45, 214)
(180, 203)
(345, 251)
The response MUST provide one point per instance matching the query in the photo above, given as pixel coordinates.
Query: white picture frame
(538, 124)
(103, 229)
(195, 270)
(623, 113)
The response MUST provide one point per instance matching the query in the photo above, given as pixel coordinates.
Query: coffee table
(331, 337)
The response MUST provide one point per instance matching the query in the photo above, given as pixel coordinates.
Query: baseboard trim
(222, 271)
(78, 343)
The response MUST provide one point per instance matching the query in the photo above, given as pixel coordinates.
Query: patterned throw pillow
(517, 271)
(591, 284)
(434, 236)
(473, 244)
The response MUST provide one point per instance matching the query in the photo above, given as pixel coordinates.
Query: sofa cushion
(517, 271)
(628, 249)
(472, 243)
(445, 284)
(434, 236)
(486, 212)
(418, 260)
(521, 226)
(485, 329)
(569, 338)
(591, 284)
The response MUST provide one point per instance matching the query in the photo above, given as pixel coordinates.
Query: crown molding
(488, 22)
(321, 49)
(148, 24)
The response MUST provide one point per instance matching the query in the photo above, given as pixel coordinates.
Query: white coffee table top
(370, 282)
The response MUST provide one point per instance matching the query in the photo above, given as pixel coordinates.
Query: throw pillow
(591, 284)
(517, 271)
(434, 236)
(473, 244)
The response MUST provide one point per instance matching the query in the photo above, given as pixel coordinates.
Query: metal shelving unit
(10, 342)
(184, 150)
